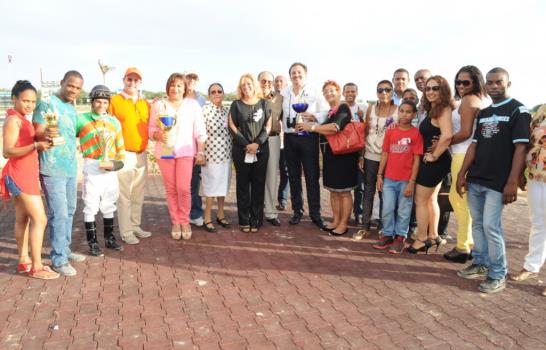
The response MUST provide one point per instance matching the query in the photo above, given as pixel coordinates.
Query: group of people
(479, 135)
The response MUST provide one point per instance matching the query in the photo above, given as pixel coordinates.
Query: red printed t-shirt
(401, 145)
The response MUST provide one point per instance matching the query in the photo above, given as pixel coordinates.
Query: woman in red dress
(20, 181)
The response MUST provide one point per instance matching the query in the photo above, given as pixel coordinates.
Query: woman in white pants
(536, 198)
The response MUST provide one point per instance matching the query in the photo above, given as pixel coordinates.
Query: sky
(341, 40)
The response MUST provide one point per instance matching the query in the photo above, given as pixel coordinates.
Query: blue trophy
(300, 107)
(167, 122)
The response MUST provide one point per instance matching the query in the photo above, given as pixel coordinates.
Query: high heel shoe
(438, 241)
(412, 250)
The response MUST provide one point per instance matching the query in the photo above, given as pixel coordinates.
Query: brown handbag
(348, 140)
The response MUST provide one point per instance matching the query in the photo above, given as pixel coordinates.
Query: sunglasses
(384, 90)
(463, 82)
(214, 92)
(433, 88)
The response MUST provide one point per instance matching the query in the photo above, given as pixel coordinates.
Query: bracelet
(201, 153)
(411, 180)
(379, 175)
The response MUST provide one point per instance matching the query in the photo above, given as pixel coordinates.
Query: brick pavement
(283, 288)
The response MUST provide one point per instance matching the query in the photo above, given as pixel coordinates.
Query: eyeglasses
(384, 90)
(433, 88)
(263, 81)
(214, 92)
(463, 82)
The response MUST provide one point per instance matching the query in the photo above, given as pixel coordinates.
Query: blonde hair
(257, 89)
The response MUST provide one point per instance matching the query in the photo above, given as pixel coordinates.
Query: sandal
(223, 222)
(523, 275)
(245, 228)
(45, 273)
(210, 228)
(24, 267)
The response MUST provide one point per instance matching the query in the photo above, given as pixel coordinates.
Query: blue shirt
(59, 161)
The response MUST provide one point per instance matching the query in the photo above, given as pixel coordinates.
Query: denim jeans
(196, 202)
(396, 221)
(358, 194)
(486, 207)
(60, 195)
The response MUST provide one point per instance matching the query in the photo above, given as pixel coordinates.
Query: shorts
(13, 190)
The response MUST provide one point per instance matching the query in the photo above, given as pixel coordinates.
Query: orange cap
(133, 70)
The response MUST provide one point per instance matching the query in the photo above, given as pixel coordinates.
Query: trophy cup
(300, 107)
(52, 122)
(106, 142)
(167, 122)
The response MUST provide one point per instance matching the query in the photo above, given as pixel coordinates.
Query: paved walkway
(283, 288)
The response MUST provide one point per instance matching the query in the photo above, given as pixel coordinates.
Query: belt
(274, 133)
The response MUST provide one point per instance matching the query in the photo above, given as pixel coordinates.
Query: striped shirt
(93, 130)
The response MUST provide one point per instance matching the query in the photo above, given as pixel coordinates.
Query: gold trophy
(167, 122)
(52, 122)
(106, 143)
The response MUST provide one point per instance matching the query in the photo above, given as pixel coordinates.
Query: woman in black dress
(339, 172)
(249, 122)
(436, 163)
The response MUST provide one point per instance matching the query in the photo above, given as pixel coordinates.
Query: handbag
(348, 140)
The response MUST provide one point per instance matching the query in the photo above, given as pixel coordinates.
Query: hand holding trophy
(299, 107)
(167, 122)
(52, 127)
(106, 143)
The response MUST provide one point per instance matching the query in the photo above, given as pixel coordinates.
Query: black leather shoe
(457, 256)
(320, 224)
(274, 221)
(295, 219)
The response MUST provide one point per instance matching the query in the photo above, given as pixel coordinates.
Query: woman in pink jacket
(178, 149)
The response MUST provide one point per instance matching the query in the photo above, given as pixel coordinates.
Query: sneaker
(130, 238)
(94, 249)
(65, 269)
(491, 285)
(111, 243)
(384, 243)
(397, 246)
(140, 233)
(76, 257)
(197, 222)
(360, 234)
(473, 272)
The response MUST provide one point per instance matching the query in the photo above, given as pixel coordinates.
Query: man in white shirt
(302, 150)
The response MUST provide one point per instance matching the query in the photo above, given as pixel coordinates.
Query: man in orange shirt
(132, 111)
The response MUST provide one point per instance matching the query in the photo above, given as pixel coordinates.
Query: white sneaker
(140, 233)
(76, 257)
(197, 222)
(130, 238)
(65, 270)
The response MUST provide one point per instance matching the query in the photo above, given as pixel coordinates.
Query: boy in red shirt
(402, 150)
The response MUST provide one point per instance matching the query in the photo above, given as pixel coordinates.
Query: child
(402, 148)
(101, 144)
(20, 180)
